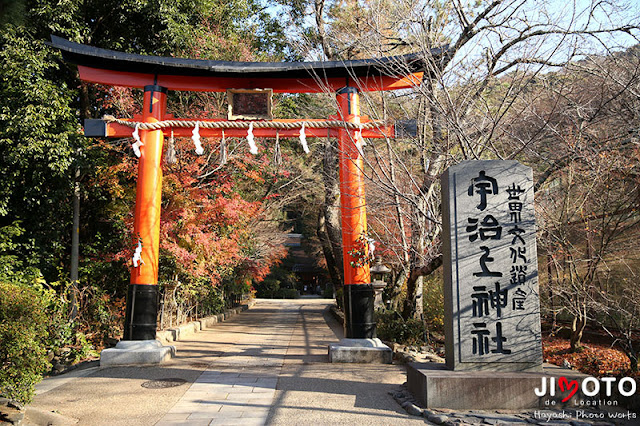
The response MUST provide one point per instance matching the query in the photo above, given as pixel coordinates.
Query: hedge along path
(260, 124)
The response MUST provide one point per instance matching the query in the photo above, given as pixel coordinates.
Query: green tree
(37, 137)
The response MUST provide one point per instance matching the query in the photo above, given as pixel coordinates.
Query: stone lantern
(378, 272)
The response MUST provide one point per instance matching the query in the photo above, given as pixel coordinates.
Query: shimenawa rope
(244, 124)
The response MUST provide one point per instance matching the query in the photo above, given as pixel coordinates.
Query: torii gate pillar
(139, 344)
(358, 292)
(360, 344)
(142, 297)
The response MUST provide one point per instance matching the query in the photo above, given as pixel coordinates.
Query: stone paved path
(283, 345)
(239, 386)
(267, 365)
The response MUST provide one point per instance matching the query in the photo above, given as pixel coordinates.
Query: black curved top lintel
(81, 54)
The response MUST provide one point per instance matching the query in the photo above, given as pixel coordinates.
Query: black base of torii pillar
(359, 320)
(140, 321)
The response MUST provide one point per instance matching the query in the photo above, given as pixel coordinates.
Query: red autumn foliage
(210, 227)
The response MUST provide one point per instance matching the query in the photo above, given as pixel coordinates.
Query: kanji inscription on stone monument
(492, 307)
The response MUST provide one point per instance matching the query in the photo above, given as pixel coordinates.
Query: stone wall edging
(182, 331)
(337, 313)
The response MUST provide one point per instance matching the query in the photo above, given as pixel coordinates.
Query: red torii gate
(158, 75)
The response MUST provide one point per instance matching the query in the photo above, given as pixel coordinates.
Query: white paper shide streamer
(170, 156)
(223, 150)
(137, 255)
(252, 144)
(303, 139)
(359, 140)
(277, 152)
(138, 143)
(196, 139)
(372, 247)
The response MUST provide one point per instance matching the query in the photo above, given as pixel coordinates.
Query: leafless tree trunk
(331, 212)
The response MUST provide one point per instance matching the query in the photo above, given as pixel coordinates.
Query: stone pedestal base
(369, 351)
(435, 386)
(136, 352)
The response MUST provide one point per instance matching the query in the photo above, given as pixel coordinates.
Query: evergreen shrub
(23, 332)
(391, 327)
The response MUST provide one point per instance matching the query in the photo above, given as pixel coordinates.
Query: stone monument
(492, 307)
